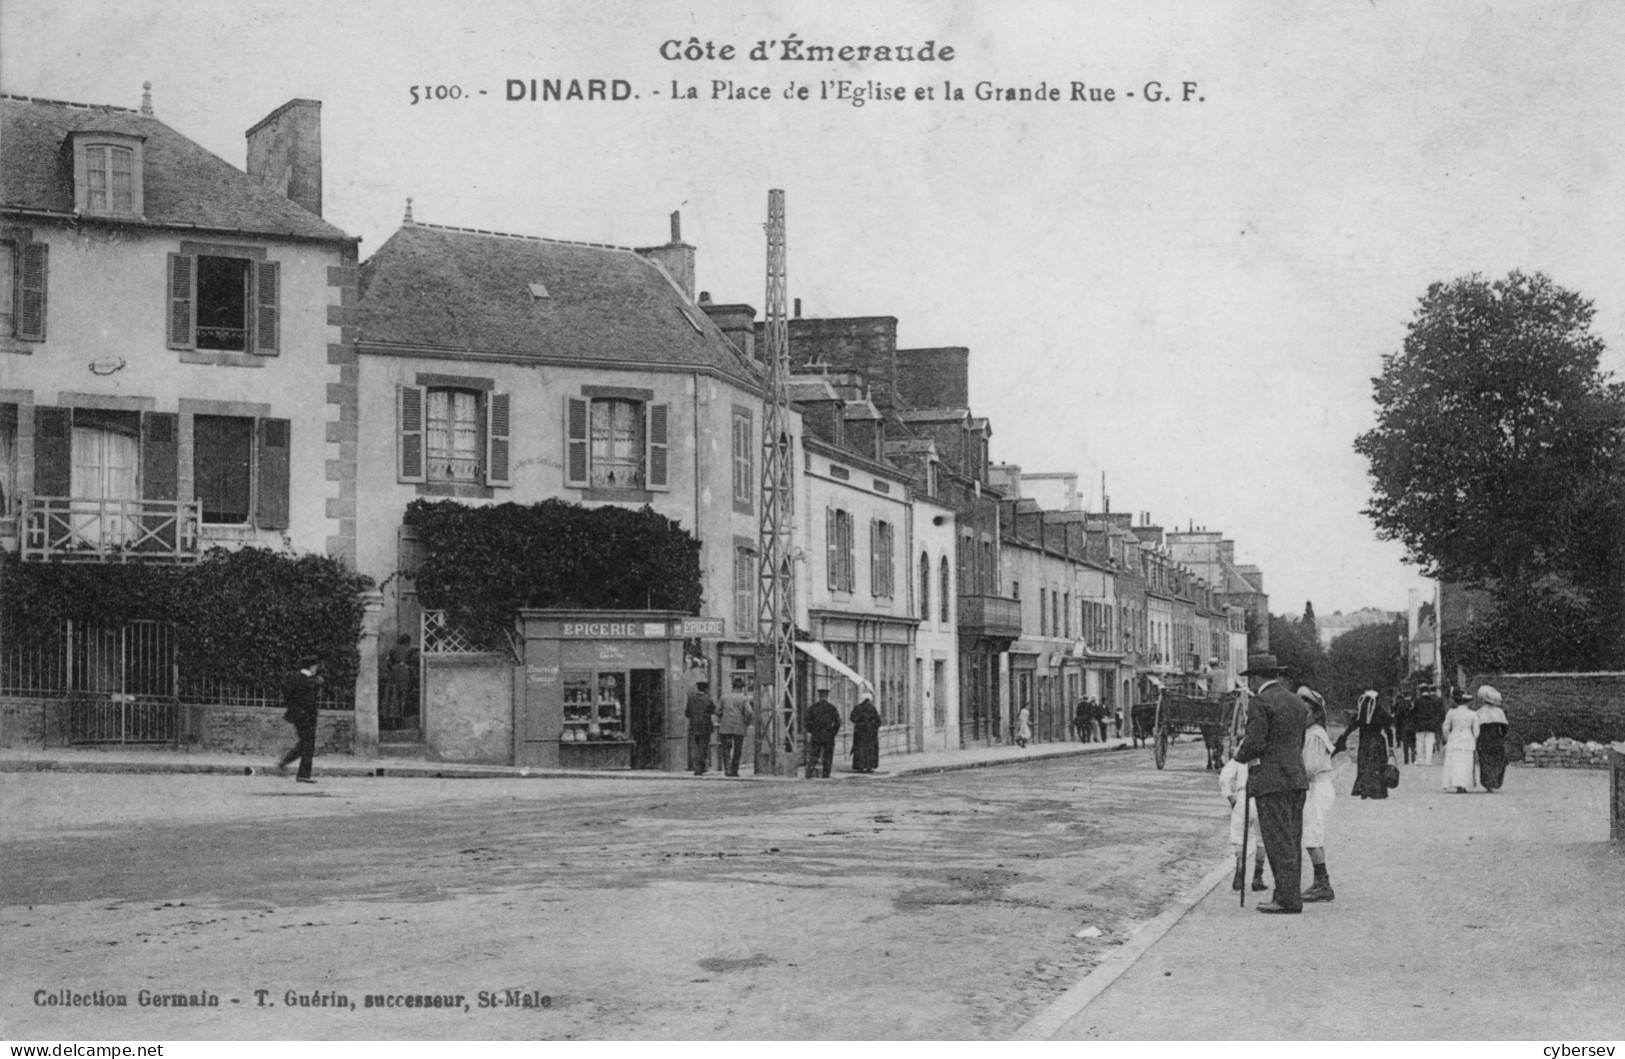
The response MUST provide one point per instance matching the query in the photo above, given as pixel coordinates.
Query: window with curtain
(617, 444)
(451, 436)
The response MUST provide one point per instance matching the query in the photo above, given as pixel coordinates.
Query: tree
(1371, 656)
(1498, 457)
(1309, 620)
(1295, 647)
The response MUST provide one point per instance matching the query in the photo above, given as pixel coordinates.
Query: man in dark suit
(1276, 779)
(823, 722)
(299, 691)
(700, 712)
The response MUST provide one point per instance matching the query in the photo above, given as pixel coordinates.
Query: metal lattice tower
(775, 659)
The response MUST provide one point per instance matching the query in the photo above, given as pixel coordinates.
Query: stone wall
(230, 729)
(1584, 707)
(1566, 754)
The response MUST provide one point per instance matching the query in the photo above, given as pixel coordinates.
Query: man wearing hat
(1276, 779)
(299, 691)
(823, 722)
(699, 712)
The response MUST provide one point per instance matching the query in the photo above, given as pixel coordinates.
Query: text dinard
(794, 49)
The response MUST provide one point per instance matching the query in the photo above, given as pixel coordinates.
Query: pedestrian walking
(1372, 722)
(823, 722)
(1460, 746)
(1405, 727)
(1428, 718)
(1492, 733)
(1100, 718)
(299, 692)
(735, 719)
(1233, 785)
(1024, 726)
(1118, 719)
(1080, 720)
(1276, 720)
(865, 735)
(700, 712)
(1317, 806)
(401, 670)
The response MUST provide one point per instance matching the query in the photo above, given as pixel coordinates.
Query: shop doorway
(648, 718)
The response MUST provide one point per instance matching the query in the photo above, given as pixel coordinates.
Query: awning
(819, 653)
(1154, 681)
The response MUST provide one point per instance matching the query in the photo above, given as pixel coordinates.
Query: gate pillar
(365, 738)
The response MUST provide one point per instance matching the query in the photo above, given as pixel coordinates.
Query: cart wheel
(1161, 751)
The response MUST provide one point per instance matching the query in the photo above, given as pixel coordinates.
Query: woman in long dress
(1317, 807)
(1492, 733)
(865, 736)
(1460, 745)
(1372, 720)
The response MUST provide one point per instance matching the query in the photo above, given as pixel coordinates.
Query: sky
(1189, 297)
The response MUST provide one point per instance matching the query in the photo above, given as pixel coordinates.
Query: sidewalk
(137, 760)
(1457, 917)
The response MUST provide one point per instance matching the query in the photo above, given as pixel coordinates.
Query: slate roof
(183, 185)
(454, 289)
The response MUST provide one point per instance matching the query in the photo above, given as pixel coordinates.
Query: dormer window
(107, 170)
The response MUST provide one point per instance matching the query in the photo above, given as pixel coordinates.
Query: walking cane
(1246, 825)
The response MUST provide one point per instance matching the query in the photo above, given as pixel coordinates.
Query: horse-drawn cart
(1180, 713)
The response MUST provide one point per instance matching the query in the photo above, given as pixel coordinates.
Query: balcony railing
(992, 616)
(117, 531)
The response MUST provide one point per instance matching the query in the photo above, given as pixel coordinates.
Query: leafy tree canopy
(1295, 646)
(1497, 436)
(1370, 656)
(482, 565)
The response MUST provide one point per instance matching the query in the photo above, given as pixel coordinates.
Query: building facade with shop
(507, 368)
(177, 364)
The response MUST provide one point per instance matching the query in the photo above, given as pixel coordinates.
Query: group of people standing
(1281, 773)
(1473, 739)
(823, 723)
(1091, 716)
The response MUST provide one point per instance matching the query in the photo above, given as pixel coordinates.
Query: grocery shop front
(606, 689)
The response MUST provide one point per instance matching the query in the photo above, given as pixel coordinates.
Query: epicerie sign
(612, 630)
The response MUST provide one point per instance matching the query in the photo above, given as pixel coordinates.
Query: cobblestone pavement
(1457, 917)
(937, 906)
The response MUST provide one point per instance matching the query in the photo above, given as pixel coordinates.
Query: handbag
(1390, 773)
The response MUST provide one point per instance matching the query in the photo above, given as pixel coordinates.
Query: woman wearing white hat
(1317, 807)
(1492, 733)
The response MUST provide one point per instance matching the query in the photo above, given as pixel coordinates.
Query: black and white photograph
(774, 521)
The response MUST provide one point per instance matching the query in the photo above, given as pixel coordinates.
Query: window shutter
(31, 291)
(832, 559)
(659, 447)
(271, 459)
(160, 455)
(874, 558)
(181, 267)
(850, 544)
(497, 418)
(267, 322)
(53, 451)
(411, 424)
(577, 464)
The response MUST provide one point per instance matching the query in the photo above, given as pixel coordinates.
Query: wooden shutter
(497, 418)
(53, 451)
(271, 459)
(267, 321)
(658, 435)
(577, 464)
(409, 400)
(850, 546)
(160, 455)
(874, 558)
(181, 269)
(832, 558)
(32, 274)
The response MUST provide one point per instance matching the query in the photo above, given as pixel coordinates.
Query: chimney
(737, 322)
(676, 257)
(285, 152)
(798, 308)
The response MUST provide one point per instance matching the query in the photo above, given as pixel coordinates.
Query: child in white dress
(1233, 785)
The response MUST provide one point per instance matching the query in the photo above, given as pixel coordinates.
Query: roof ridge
(69, 103)
(516, 235)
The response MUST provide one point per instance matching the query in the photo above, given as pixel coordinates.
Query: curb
(475, 772)
(1069, 1005)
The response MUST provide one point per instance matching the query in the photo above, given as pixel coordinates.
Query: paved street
(940, 906)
